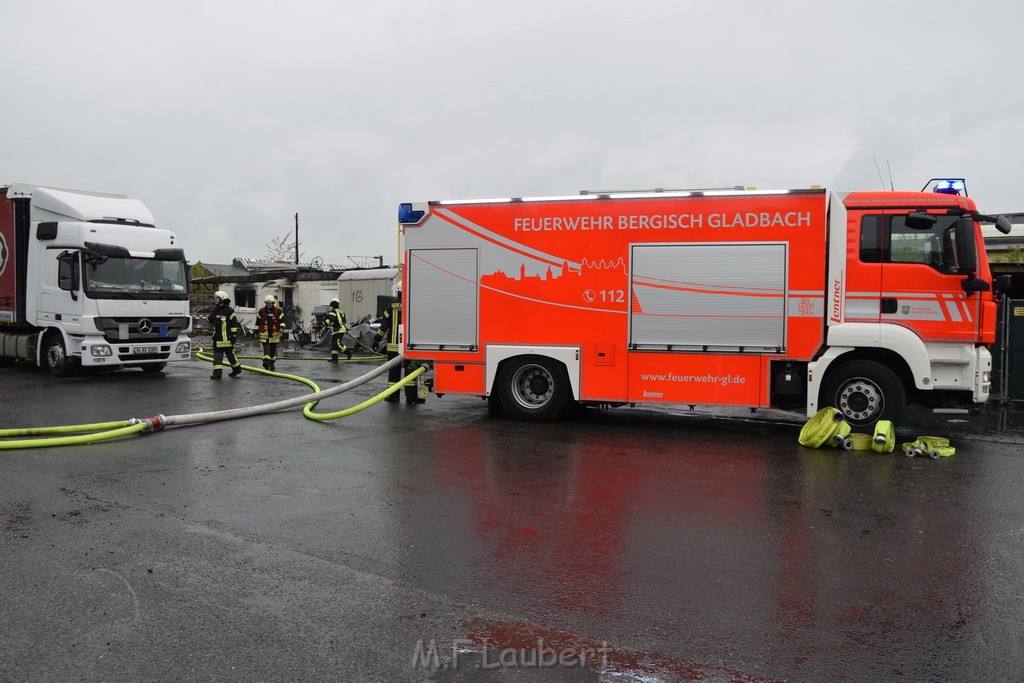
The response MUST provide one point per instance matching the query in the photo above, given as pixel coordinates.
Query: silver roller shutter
(713, 297)
(443, 287)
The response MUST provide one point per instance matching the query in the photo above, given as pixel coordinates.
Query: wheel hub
(55, 355)
(860, 400)
(533, 387)
(539, 385)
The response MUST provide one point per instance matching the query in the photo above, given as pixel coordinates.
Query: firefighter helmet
(268, 298)
(335, 301)
(221, 294)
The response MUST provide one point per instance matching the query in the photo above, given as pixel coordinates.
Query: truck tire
(864, 391)
(533, 388)
(57, 360)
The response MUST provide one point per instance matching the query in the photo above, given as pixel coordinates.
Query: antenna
(879, 171)
(889, 168)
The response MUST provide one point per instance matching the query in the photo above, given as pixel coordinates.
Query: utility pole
(296, 238)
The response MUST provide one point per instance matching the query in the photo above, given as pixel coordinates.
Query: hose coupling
(154, 423)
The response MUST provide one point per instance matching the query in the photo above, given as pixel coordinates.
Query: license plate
(145, 349)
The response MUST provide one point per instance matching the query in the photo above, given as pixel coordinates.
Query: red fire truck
(794, 299)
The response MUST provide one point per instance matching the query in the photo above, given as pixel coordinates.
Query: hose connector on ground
(155, 423)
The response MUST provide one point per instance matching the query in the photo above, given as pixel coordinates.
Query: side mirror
(1003, 225)
(966, 246)
(919, 220)
(1002, 284)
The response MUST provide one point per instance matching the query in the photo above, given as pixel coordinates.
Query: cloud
(229, 118)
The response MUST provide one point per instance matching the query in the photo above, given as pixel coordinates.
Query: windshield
(892, 241)
(121, 277)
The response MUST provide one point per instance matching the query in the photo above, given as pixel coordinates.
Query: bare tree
(282, 249)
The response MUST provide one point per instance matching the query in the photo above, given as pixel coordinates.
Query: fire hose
(828, 427)
(111, 430)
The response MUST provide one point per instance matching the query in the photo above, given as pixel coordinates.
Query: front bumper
(100, 352)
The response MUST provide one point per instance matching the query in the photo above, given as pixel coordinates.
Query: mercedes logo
(145, 326)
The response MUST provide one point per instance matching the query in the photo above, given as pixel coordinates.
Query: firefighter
(336, 321)
(225, 330)
(388, 333)
(269, 323)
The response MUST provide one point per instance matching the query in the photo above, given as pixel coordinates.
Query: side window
(68, 274)
(888, 239)
(933, 248)
(910, 247)
(871, 239)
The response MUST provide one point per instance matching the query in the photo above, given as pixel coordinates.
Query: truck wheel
(864, 391)
(533, 389)
(57, 360)
(154, 367)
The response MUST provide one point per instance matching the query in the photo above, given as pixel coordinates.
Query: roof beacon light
(406, 214)
(953, 186)
(950, 187)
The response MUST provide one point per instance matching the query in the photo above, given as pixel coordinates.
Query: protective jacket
(270, 322)
(224, 324)
(335, 320)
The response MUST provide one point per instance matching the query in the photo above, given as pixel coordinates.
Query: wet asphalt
(431, 542)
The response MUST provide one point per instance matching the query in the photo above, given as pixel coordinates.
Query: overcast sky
(229, 117)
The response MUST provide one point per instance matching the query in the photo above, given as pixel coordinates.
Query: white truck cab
(89, 280)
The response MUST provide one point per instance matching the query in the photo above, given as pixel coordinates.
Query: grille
(120, 330)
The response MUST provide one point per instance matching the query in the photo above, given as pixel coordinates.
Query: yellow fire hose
(827, 426)
(884, 438)
(823, 427)
(111, 430)
(134, 426)
(860, 442)
(374, 355)
(934, 446)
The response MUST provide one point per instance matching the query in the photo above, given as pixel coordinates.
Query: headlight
(101, 351)
(986, 377)
(183, 347)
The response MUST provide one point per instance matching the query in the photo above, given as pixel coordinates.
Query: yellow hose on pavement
(411, 377)
(138, 426)
(65, 429)
(307, 410)
(115, 429)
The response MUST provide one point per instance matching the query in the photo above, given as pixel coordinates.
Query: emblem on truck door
(145, 326)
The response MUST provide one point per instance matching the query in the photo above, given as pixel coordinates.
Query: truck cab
(912, 306)
(95, 283)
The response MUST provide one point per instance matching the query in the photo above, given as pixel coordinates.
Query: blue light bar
(407, 215)
(951, 186)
